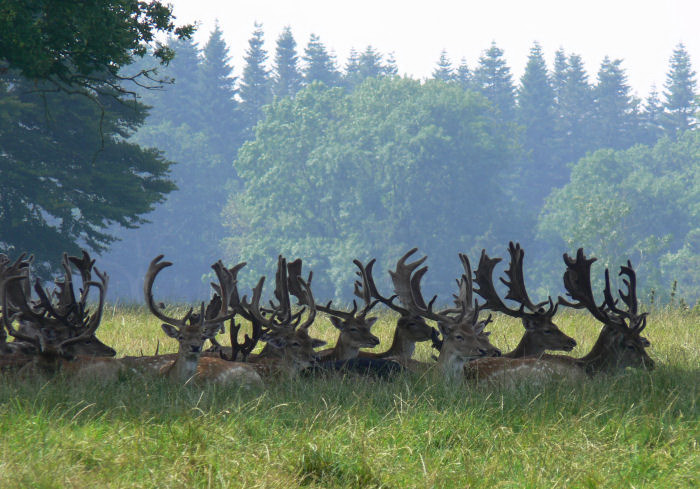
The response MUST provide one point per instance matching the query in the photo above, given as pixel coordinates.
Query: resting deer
(463, 335)
(410, 328)
(619, 344)
(191, 332)
(61, 332)
(354, 326)
(541, 333)
(289, 349)
(39, 313)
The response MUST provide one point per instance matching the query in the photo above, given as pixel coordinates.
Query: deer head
(59, 329)
(355, 326)
(463, 335)
(540, 331)
(289, 345)
(410, 327)
(620, 343)
(193, 329)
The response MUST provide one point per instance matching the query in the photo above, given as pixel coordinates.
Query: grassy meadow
(636, 429)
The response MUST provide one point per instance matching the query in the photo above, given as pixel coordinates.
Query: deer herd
(54, 332)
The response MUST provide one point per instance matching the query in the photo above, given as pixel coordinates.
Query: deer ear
(337, 322)
(370, 322)
(170, 330)
(317, 343)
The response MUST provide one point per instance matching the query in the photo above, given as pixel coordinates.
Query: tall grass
(634, 429)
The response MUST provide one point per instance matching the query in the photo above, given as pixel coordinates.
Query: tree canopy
(83, 44)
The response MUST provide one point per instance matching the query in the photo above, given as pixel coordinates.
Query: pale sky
(643, 33)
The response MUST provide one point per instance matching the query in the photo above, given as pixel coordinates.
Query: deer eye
(459, 337)
(630, 347)
(296, 343)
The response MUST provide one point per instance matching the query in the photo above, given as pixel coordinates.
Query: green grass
(636, 429)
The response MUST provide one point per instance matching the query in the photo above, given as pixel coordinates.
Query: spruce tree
(390, 67)
(444, 70)
(463, 76)
(652, 118)
(679, 105)
(351, 77)
(287, 77)
(217, 92)
(492, 78)
(319, 64)
(535, 113)
(615, 114)
(255, 88)
(574, 111)
(371, 63)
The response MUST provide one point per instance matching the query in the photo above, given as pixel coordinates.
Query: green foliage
(642, 204)
(392, 165)
(71, 43)
(67, 175)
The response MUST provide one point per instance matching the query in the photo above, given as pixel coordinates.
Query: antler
(366, 288)
(636, 321)
(577, 282)
(296, 290)
(516, 287)
(155, 267)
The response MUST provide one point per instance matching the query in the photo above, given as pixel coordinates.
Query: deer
(619, 344)
(191, 332)
(61, 333)
(463, 335)
(410, 328)
(354, 326)
(541, 333)
(59, 327)
(289, 348)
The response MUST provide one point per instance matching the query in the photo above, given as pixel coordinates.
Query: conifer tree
(319, 64)
(535, 113)
(574, 111)
(652, 118)
(463, 76)
(255, 88)
(217, 97)
(390, 67)
(370, 63)
(679, 105)
(444, 70)
(287, 77)
(559, 74)
(615, 114)
(492, 78)
(351, 77)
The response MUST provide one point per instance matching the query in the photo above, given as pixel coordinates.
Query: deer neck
(342, 350)
(526, 348)
(451, 363)
(183, 368)
(401, 347)
(601, 357)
